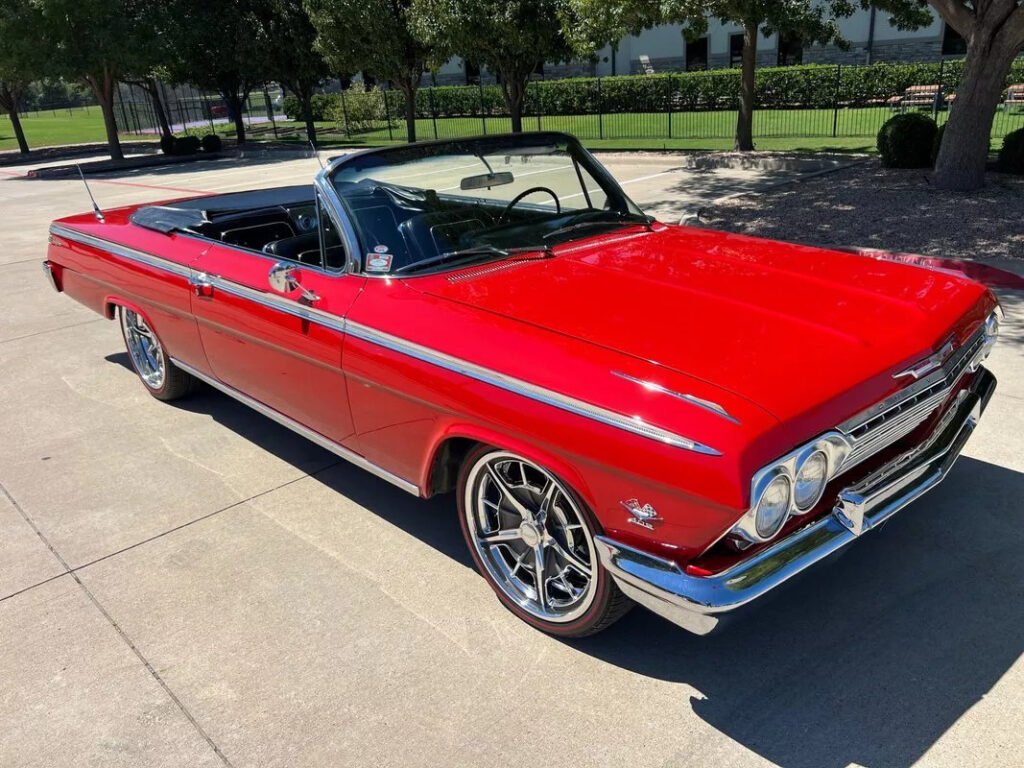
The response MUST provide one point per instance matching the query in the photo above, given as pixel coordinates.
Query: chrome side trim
(299, 429)
(700, 402)
(630, 424)
(124, 251)
(697, 603)
(279, 303)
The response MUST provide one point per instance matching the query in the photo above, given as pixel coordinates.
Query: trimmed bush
(905, 141)
(937, 143)
(187, 145)
(1011, 154)
(211, 143)
(168, 144)
(322, 105)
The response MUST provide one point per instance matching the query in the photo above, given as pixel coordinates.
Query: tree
(21, 62)
(994, 31)
(94, 41)
(510, 37)
(812, 21)
(292, 58)
(219, 46)
(375, 35)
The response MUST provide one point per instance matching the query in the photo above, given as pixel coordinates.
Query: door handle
(202, 286)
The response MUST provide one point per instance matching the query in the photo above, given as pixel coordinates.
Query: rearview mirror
(487, 180)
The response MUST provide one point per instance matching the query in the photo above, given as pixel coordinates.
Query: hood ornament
(930, 363)
(643, 515)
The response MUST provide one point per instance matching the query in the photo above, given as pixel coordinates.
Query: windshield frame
(477, 145)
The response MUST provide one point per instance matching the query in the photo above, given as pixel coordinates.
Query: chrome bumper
(695, 603)
(50, 277)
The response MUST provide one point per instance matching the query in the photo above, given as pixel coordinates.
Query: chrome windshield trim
(700, 402)
(631, 424)
(306, 432)
(133, 254)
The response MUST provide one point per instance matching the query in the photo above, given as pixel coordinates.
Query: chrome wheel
(531, 537)
(144, 348)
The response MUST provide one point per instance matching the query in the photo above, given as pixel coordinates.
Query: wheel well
(444, 469)
(110, 310)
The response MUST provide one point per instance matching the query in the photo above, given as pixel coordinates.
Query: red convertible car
(627, 411)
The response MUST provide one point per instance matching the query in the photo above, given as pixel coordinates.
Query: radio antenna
(95, 208)
(316, 154)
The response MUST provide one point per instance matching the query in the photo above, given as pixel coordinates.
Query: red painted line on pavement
(149, 186)
(122, 184)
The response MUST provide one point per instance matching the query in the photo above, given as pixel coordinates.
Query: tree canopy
(374, 35)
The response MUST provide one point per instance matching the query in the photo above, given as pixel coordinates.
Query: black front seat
(304, 248)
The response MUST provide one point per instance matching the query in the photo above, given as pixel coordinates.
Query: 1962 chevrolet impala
(627, 411)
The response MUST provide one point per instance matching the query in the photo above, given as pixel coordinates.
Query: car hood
(788, 327)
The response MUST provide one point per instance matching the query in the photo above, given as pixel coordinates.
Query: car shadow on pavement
(432, 521)
(868, 659)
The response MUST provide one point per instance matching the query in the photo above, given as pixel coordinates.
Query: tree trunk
(9, 102)
(102, 85)
(234, 104)
(306, 97)
(513, 87)
(158, 106)
(408, 89)
(963, 154)
(745, 117)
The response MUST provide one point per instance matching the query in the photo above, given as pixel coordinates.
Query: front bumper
(696, 603)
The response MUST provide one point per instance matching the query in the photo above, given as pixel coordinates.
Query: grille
(897, 416)
(469, 274)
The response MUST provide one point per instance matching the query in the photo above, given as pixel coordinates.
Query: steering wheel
(508, 208)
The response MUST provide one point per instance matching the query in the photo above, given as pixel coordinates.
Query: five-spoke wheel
(533, 541)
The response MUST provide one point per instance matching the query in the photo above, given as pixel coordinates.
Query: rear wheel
(533, 540)
(162, 378)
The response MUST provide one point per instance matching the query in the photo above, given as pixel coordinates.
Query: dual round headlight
(792, 486)
(773, 507)
(811, 478)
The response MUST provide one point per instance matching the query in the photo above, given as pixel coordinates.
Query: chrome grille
(897, 416)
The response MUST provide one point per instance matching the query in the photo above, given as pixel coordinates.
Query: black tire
(607, 605)
(172, 382)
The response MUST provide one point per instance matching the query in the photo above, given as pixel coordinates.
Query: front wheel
(162, 378)
(533, 541)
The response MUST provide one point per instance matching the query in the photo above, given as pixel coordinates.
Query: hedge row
(809, 86)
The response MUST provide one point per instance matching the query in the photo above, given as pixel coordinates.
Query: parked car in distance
(626, 411)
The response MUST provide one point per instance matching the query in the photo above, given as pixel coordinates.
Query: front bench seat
(304, 248)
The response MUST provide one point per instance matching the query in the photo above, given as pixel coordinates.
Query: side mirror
(285, 279)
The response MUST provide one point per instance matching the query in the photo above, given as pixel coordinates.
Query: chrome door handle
(202, 286)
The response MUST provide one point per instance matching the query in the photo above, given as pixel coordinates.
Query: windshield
(439, 205)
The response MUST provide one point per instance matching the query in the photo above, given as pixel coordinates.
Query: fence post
(835, 100)
(600, 111)
(433, 109)
(387, 114)
(344, 115)
(483, 115)
(537, 101)
(938, 92)
(668, 104)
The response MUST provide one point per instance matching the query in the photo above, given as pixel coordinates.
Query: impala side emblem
(929, 364)
(645, 515)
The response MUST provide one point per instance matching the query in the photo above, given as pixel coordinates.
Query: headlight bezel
(834, 445)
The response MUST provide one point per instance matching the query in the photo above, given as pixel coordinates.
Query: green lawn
(82, 125)
(812, 130)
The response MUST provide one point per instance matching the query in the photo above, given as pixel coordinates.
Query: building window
(736, 50)
(697, 54)
(952, 43)
(791, 50)
(472, 73)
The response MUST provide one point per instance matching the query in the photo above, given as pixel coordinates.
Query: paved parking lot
(191, 585)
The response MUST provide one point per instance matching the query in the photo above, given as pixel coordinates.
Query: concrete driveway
(191, 585)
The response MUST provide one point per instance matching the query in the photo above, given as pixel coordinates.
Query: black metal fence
(820, 104)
